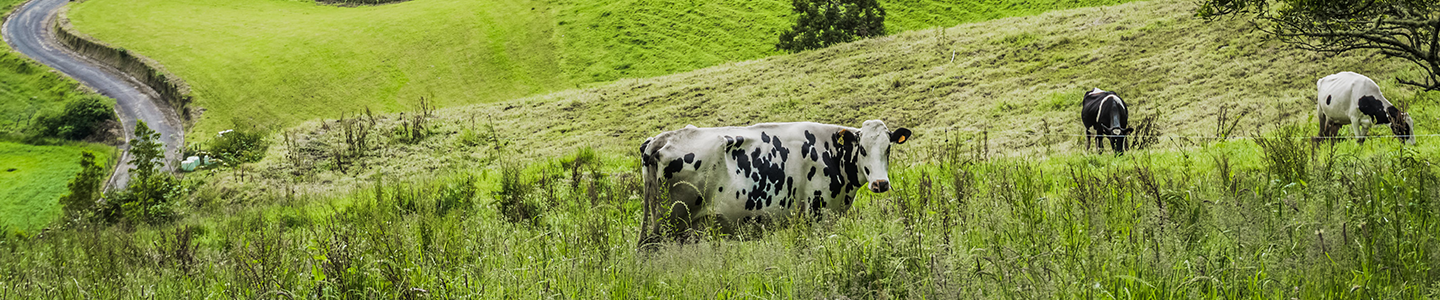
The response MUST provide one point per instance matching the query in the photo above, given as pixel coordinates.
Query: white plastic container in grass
(190, 163)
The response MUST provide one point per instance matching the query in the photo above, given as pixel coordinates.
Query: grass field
(282, 62)
(988, 201)
(32, 179)
(1020, 80)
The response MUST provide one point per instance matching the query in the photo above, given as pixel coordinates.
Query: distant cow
(1105, 113)
(1347, 98)
(759, 172)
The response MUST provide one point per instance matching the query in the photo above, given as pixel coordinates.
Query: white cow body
(1348, 98)
(761, 171)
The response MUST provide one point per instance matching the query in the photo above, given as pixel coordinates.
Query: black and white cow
(1348, 98)
(759, 172)
(1105, 113)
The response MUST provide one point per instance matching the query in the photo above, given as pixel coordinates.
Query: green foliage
(85, 188)
(243, 145)
(81, 118)
(1287, 157)
(821, 23)
(148, 197)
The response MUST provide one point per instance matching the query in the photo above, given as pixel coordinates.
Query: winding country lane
(29, 31)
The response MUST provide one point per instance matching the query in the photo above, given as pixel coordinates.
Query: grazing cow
(759, 172)
(1105, 113)
(1348, 98)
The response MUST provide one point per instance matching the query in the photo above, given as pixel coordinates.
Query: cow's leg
(683, 206)
(1360, 130)
(1324, 125)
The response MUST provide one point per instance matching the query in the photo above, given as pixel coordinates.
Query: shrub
(81, 118)
(821, 23)
(239, 146)
(149, 194)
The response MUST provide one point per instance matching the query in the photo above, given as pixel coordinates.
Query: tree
(84, 188)
(146, 152)
(148, 196)
(1407, 29)
(821, 23)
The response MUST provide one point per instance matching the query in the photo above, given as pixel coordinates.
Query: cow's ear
(845, 137)
(899, 136)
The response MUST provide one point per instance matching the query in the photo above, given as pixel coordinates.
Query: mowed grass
(281, 62)
(33, 178)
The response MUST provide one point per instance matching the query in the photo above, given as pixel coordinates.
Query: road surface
(29, 31)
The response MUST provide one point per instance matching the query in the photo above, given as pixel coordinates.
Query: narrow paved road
(28, 31)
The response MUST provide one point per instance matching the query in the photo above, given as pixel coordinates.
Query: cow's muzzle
(880, 186)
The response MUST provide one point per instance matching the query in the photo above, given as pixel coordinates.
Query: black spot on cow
(1327, 99)
(1374, 108)
(722, 189)
(862, 151)
(807, 148)
(764, 137)
(674, 166)
(867, 171)
(811, 176)
(697, 164)
(689, 157)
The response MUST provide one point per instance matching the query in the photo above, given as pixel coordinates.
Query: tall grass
(1212, 222)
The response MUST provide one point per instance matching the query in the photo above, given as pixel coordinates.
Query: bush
(147, 198)
(81, 118)
(821, 23)
(239, 146)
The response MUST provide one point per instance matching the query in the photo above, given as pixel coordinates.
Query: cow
(758, 173)
(1348, 98)
(1105, 113)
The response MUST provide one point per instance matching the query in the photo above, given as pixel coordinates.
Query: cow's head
(874, 142)
(1117, 136)
(1401, 125)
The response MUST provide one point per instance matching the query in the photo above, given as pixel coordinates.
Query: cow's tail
(652, 194)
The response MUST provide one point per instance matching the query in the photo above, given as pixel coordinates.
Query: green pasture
(1018, 80)
(282, 62)
(1225, 220)
(33, 178)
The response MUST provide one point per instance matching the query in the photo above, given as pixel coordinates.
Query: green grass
(283, 62)
(34, 179)
(1020, 79)
(28, 88)
(1211, 222)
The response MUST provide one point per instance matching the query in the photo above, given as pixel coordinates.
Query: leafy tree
(821, 23)
(1407, 29)
(85, 187)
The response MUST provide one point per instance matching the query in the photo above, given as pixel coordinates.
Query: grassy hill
(1269, 216)
(34, 179)
(1020, 79)
(275, 61)
(27, 88)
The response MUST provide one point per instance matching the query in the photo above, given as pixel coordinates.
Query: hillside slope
(281, 62)
(1018, 78)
